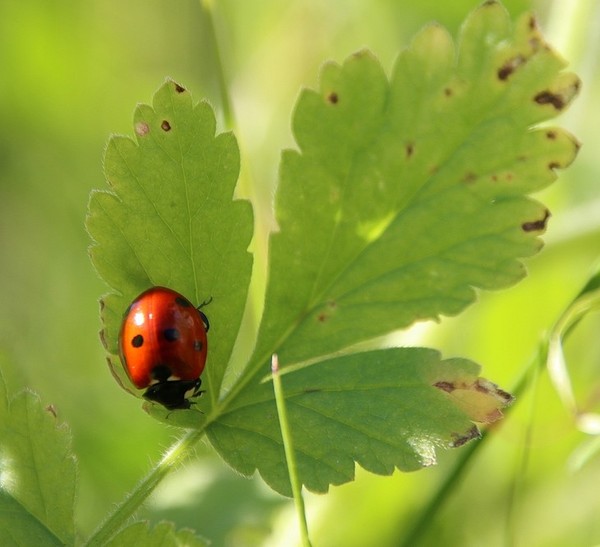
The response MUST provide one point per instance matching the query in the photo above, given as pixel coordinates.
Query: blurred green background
(72, 73)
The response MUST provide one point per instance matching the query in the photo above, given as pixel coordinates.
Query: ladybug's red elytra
(163, 346)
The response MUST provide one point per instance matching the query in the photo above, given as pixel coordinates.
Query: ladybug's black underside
(173, 394)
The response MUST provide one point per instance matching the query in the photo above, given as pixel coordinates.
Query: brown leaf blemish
(51, 409)
(469, 177)
(536, 225)
(532, 23)
(179, 88)
(410, 149)
(333, 98)
(322, 317)
(547, 97)
(507, 69)
(554, 165)
(448, 92)
(461, 439)
(165, 126)
(141, 129)
(448, 387)
(551, 135)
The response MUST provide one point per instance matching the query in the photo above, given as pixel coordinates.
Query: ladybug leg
(204, 318)
(205, 303)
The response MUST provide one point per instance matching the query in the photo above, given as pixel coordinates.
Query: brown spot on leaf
(448, 387)
(553, 165)
(165, 126)
(547, 97)
(410, 149)
(448, 92)
(461, 439)
(551, 135)
(509, 67)
(141, 129)
(322, 317)
(332, 304)
(532, 23)
(333, 98)
(469, 177)
(536, 225)
(51, 409)
(179, 88)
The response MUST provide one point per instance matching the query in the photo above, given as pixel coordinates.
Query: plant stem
(209, 10)
(289, 452)
(173, 457)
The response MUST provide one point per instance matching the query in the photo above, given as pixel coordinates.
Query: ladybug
(163, 346)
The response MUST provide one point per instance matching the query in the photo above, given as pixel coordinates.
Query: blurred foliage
(71, 72)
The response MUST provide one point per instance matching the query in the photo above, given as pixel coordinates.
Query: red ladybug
(163, 346)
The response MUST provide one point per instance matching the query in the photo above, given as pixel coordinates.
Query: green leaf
(37, 475)
(405, 196)
(162, 535)
(19, 527)
(170, 219)
(382, 409)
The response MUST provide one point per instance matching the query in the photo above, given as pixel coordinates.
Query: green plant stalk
(228, 116)
(244, 187)
(123, 512)
(289, 452)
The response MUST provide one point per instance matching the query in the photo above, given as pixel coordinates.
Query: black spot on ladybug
(171, 335)
(333, 98)
(547, 97)
(165, 126)
(536, 225)
(551, 135)
(198, 346)
(137, 341)
(182, 302)
(409, 149)
(179, 88)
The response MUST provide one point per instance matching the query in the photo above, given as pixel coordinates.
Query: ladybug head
(174, 394)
